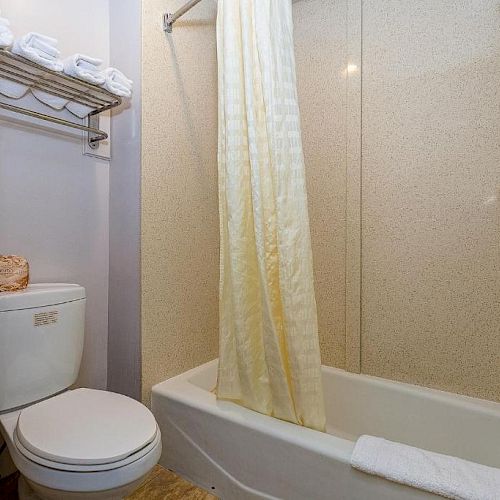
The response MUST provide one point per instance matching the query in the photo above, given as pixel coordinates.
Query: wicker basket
(14, 273)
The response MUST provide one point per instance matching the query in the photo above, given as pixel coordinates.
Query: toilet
(67, 443)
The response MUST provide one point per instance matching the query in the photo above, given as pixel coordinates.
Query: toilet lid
(86, 426)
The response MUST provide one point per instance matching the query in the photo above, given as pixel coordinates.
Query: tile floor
(8, 487)
(165, 485)
(161, 484)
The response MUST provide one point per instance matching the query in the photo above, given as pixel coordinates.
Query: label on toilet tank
(45, 318)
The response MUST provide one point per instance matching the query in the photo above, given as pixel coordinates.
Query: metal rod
(99, 135)
(59, 78)
(47, 87)
(169, 19)
(51, 86)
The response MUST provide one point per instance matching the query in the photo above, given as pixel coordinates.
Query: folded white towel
(443, 475)
(40, 49)
(80, 110)
(6, 36)
(117, 83)
(85, 68)
(7, 87)
(53, 101)
(12, 89)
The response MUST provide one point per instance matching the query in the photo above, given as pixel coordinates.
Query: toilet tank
(41, 342)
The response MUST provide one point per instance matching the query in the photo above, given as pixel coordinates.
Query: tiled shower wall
(430, 193)
(320, 55)
(180, 231)
(180, 227)
(400, 118)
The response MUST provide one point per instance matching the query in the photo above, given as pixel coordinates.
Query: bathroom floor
(160, 485)
(8, 487)
(165, 485)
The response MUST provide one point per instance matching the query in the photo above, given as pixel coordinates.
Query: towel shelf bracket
(93, 124)
(25, 73)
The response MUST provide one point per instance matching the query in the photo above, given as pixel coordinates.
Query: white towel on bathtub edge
(443, 475)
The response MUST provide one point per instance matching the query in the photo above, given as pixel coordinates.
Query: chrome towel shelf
(35, 77)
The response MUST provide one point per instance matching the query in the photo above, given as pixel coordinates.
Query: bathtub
(239, 454)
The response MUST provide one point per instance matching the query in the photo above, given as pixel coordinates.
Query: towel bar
(95, 135)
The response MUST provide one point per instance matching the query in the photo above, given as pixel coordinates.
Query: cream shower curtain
(269, 350)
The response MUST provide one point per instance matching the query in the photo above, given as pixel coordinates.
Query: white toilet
(67, 444)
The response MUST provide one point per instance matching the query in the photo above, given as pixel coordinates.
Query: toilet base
(28, 490)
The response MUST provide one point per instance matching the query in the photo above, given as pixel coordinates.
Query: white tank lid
(86, 426)
(40, 295)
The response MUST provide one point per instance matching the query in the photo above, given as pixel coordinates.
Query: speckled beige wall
(424, 198)
(179, 208)
(321, 56)
(431, 185)
(180, 228)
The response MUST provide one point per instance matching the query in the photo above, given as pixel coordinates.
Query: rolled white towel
(6, 36)
(8, 87)
(85, 68)
(444, 475)
(117, 83)
(40, 49)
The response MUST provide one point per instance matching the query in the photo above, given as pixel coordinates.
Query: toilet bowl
(67, 444)
(82, 444)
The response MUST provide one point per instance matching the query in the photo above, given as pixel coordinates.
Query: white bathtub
(239, 454)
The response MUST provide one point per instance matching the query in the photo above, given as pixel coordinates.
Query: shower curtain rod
(169, 19)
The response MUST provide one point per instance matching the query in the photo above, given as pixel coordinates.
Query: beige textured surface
(431, 185)
(353, 188)
(14, 273)
(180, 228)
(430, 176)
(162, 484)
(320, 51)
(179, 214)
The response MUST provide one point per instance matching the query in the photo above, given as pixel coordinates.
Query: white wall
(124, 336)
(53, 200)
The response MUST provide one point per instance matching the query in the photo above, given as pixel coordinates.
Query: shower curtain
(269, 357)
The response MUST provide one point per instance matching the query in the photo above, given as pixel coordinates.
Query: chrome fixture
(169, 19)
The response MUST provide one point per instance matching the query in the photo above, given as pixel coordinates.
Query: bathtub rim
(185, 389)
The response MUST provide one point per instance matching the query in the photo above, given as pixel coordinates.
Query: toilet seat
(86, 430)
(84, 481)
(150, 448)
